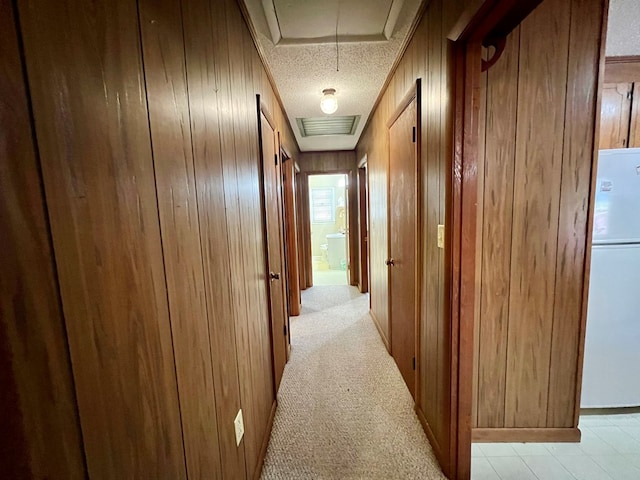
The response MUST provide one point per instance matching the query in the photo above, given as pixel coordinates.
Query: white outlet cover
(239, 424)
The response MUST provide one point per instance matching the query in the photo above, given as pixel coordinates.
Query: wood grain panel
(615, 115)
(537, 178)
(231, 102)
(622, 69)
(403, 186)
(165, 76)
(41, 431)
(203, 56)
(634, 128)
(502, 96)
(482, 133)
(535, 219)
(291, 231)
(93, 137)
(573, 237)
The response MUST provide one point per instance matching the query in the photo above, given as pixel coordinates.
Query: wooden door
(402, 242)
(616, 113)
(291, 235)
(275, 256)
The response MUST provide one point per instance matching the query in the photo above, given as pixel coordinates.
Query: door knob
(390, 262)
(274, 276)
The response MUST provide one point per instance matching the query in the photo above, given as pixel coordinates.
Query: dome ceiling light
(329, 102)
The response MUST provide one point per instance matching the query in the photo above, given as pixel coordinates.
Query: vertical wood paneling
(93, 137)
(203, 72)
(577, 169)
(431, 213)
(164, 62)
(482, 121)
(502, 97)
(538, 167)
(544, 43)
(40, 428)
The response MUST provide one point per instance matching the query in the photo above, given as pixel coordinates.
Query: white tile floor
(609, 450)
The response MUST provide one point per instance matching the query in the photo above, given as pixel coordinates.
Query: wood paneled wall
(429, 57)
(40, 428)
(145, 137)
(334, 162)
(535, 200)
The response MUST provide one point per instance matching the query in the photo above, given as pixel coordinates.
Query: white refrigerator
(611, 376)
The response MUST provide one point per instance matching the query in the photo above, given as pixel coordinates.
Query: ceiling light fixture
(329, 102)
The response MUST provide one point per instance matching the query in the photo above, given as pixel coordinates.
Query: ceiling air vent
(313, 127)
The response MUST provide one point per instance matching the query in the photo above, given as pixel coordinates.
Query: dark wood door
(275, 258)
(402, 242)
(291, 235)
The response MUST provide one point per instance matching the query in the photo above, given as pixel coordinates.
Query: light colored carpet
(344, 411)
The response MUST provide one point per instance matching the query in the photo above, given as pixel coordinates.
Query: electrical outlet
(239, 424)
(440, 236)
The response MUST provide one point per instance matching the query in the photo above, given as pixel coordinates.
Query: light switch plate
(239, 424)
(440, 236)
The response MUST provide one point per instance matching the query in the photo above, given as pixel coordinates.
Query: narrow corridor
(343, 408)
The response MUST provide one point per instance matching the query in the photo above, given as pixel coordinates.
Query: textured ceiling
(623, 32)
(302, 70)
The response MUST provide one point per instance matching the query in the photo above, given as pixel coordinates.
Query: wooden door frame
(289, 219)
(307, 228)
(415, 93)
(363, 225)
(484, 23)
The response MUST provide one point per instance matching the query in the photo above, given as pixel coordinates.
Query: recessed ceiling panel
(307, 19)
(322, 126)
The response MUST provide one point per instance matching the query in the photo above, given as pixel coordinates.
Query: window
(323, 209)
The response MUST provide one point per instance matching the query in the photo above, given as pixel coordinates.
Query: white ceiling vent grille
(320, 126)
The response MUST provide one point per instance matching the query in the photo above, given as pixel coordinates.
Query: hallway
(343, 408)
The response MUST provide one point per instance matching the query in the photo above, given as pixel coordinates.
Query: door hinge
(414, 134)
(285, 330)
(414, 363)
(276, 158)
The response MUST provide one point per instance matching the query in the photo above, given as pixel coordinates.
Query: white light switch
(440, 236)
(239, 424)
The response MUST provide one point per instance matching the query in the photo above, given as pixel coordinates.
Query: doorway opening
(328, 217)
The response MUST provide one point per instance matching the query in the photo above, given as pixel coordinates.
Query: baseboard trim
(265, 442)
(437, 450)
(524, 435)
(382, 335)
